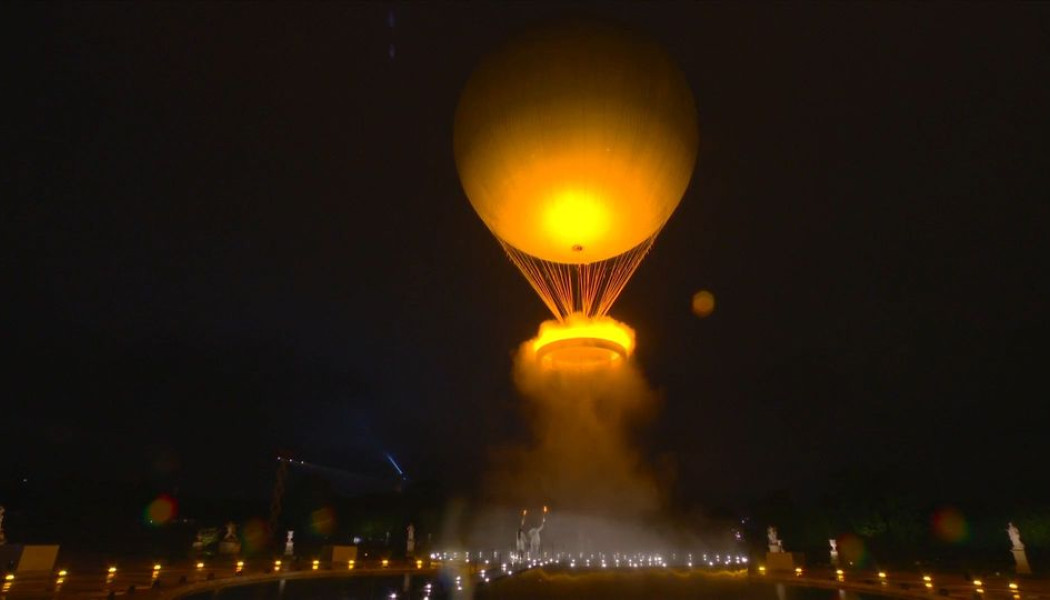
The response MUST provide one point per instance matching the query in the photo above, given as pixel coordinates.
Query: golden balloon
(575, 142)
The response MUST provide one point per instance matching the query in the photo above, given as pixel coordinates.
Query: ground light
(316, 564)
(276, 565)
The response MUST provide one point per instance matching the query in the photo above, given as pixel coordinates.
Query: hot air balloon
(574, 143)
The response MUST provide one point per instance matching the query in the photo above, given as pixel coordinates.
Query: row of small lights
(112, 571)
(927, 580)
(632, 560)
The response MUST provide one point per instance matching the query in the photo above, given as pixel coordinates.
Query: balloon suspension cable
(589, 289)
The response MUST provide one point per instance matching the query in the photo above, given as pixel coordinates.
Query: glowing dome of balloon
(575, 143)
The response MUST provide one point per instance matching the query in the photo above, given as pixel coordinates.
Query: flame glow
(582, 341)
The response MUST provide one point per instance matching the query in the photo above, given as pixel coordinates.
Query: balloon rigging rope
(589, 288)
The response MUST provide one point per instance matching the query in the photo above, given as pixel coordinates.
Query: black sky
(234, 228)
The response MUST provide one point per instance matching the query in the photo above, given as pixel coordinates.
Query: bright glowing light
(316, 564)
(9, 577)
(350, 565)
(927, 578)
(156, 567)
(419, 565)
(385, 562)
(575, 219)
(112, 570)
(798, 570)
(882, 575)
(1013, 586)
(276, 565)
(63, 573)
(579, 341)
(977, 582)
(200, 565)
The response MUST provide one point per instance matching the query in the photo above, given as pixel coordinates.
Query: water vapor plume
(582, 456)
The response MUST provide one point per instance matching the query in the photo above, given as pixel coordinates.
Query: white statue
(289, 545)
(519, 543)
(410, 545)
(231, 532)
(775, 545)
(834, 546)
(534, 536)
(1015, 536)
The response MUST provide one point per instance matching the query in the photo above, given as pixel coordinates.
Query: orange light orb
(580, 342)
(703, 303)
(575, 142)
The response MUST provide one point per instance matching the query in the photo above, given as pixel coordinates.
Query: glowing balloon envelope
(574, 144)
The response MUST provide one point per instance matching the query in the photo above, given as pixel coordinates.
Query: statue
(519, 544)
(834, 552)
(775, 544)
(410, 545)
(1015, 536)
(834, 546)
(289, 545)
(230, 544)
(1020, 557)
(534, 536)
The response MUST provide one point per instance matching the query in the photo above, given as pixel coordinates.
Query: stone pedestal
(229, 547)
(28, 558)
(784, 561)
(834, 558)
(339, 554)
(1022, 562)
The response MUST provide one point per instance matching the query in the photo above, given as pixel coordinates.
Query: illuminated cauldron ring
(581, 353)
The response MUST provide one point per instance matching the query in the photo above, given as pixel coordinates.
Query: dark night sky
(233, 228)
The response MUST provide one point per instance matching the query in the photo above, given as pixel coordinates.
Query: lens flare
(322, 520)
(255, 535)
(853, 549)
(160, 511)
(703, 303)
(949, 525)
